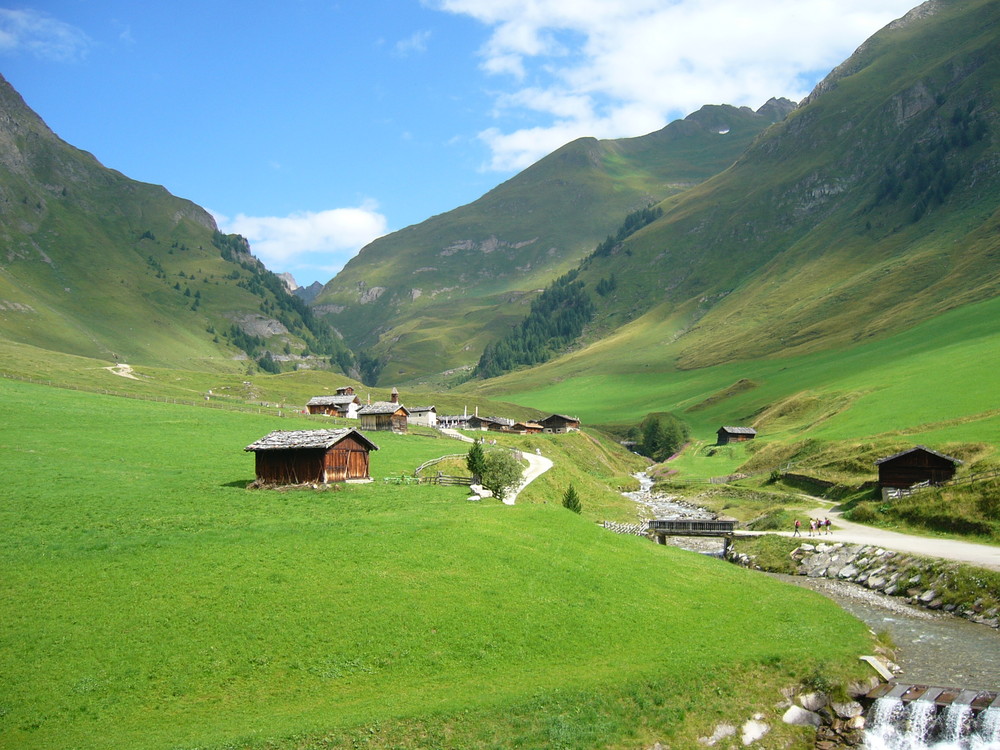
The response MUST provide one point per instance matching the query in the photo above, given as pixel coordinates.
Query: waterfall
(918, 725)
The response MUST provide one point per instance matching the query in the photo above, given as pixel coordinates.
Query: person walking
(798, 523)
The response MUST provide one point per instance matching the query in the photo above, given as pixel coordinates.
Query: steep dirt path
(537, 465)
(981, 555)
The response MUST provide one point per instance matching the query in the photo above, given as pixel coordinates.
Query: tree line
(556, 319)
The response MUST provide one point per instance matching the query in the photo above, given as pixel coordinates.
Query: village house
(342, 405)
(559, 423)
(915, 465)
(726, 435)
(423, 415)
(526, 428)
(495, 424)
(312, 456)
(384, 415)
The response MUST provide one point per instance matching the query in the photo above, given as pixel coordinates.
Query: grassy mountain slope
(430, 296)
(869, 209)
(839, 282)
(95, 264)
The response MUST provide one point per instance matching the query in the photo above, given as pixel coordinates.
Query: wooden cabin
(383, 416)
(526, 428)
(560, 423)
(424, 415)
(726, 435)
(312, 456)
(495, 424)
(342, 405)
(916, 465)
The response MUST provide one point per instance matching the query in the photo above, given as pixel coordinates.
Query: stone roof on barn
(382, 407)
(421, 409)
(306, 440)
(332, 400)
(739, 430)
(919, 448)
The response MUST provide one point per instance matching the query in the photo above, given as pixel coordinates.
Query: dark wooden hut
(916, 465)
(726, 435)
(321, 456)
(341, 405)
(560, 423)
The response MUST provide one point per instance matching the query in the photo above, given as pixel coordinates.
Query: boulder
(800, 717)
(848, 710)
(721, 732)
(813, 701)
(848, 571)
(753, 730)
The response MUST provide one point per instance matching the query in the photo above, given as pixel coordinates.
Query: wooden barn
(320, 456)
(383, 416)
(342, 405)
(559, 423)
(726, 435)
(916, 465)
(526, 428)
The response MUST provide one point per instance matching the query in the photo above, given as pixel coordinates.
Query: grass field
(150, 601)
(935, 384)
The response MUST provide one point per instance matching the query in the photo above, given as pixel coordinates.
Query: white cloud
(416, 43)
(41, 35)
(323, 240)
(625, 68)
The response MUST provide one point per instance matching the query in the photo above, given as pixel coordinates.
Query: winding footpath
(980, 555)
(537, 465)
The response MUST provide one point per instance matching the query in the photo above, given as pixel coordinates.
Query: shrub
(501, 472)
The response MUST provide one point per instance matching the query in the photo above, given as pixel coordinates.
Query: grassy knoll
(150, 601)
(599, 469)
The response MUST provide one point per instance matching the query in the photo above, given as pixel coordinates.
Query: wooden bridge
(660, 529)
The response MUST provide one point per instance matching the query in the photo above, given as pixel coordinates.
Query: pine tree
(571, 500)
(475, 461)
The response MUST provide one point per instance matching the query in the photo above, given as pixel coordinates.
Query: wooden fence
(447, 481)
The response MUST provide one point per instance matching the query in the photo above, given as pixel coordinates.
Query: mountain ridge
(440, 289)
(100, 265)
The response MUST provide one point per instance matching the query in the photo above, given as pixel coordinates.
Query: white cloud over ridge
(623, 68)
(306, 242)
(41, 35)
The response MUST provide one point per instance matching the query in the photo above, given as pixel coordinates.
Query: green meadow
(935, 383)
(149, 600)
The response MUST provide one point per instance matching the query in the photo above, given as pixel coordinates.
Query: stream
(932, 648)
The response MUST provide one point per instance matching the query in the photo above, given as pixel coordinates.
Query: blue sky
(314, 126)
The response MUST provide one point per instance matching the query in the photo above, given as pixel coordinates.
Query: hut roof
(919, 448)
(421, 409)
(739, 430)
(382, 407)
(306, 439)
(502, 421)
(561, 416)
(332, 400)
